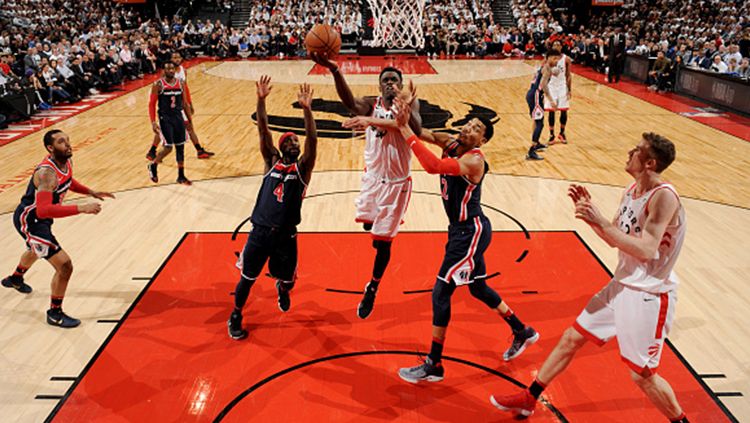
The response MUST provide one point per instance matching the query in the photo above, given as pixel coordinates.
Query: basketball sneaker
(234, 324)
(521, 340)
(56, 317)
(561, 138)
(17, 284)
(532, 155)
(204, 154)
(427, 371)
(184, 181)
(284, 301)
(539, 146)
(522, 403)
(551, 139)
(152, 173)
(368, 301)
(151, 155)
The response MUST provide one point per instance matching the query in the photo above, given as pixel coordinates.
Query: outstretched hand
(263, 87)
(404, 112)
(578, 193)
(101, 195)
(408, 95)
(305, 96)
(357, 123)
(323, 60)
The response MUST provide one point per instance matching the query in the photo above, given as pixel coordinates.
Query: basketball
(323, 39)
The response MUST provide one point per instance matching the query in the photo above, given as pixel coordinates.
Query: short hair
(553, 52)
(167, 63)
(49, 137)
(391, 69)
(489, 128)
(662, 150)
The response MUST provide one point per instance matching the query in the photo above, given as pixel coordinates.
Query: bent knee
(572, 340)
(66, 268)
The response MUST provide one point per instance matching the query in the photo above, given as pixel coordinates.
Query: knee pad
(180, 152)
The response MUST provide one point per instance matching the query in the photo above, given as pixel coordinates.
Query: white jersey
(180, 74)
(557, 80)
(655, 275)
(387, 156)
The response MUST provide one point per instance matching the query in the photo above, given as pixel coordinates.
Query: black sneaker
(428, 372)
(368, 300)
(521, 340)
(152, 172)
(539, 146)
(184, 181)
(532, 155)
(56, 317)
(235, 327)
(284, 302)
(19, 286)
(551, 139)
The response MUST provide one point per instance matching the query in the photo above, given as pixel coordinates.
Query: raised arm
(267, 150)
(357, 105)
(304, 97)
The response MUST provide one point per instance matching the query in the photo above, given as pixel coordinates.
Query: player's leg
(596, 323)
(151, 155)
(537, 116)
(202, 152)
(365, 203)
(180, 134)
(250, 262)
(432, 369)
(15, 280)
(166, 138)
(563, 121)
(283, 266)
(60, 260)
(551, 117)
(661, 394)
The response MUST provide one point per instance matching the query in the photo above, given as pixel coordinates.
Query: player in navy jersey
(535, 100)
(277, 208)
(462, 171)
(41, 203)
(169, 93)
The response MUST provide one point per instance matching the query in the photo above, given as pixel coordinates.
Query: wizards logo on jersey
(434, 118)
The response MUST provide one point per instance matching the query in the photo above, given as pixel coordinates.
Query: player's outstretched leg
(180, 153)
(382, 257)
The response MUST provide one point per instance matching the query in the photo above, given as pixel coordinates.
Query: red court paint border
(733, 124)
(128, 87)
(184, 236)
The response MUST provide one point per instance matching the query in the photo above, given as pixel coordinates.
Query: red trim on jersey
(465, 202)
(358, 220)
(556, 110)
(662, 186)
(381, 237)
(644, 371)
(588, 335)
(59, 171)
(663, 308)
(165, 84)
(25, 227)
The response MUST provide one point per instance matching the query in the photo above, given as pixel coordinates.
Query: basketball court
(154, 271)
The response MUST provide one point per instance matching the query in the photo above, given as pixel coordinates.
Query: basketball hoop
(398, 23)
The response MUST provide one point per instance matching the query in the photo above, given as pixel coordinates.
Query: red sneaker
(204, 155)
(561, 138)
(521, 403)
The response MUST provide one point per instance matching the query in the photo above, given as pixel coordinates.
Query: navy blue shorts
(172, 130)
(277, 246)
(464, 252)
(36, 232)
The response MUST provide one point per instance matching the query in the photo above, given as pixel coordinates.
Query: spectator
(658, 76)
(718, 65)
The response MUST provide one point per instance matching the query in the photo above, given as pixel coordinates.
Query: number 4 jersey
(280, 197)
(655, 275)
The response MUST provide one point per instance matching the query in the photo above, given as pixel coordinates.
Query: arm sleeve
(46, 210)
(430, 162)
(78, 187)
(152, 107)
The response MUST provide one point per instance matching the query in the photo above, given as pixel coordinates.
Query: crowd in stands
(713, 35)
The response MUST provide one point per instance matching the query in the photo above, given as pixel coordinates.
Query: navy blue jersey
(280, 197)
(461, 198)
(535, 83)
(170, 99)
(64, 179)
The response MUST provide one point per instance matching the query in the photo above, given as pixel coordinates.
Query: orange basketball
(323, 39)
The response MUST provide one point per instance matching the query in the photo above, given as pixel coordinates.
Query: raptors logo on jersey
(654, 275)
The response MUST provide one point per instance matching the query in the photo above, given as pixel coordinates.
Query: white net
(397, 23)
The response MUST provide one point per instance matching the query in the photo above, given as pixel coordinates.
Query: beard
(291, 156)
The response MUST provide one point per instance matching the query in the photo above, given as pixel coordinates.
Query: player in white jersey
(637, 306)
(560, 86)
(386, 183)
(181, 75)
